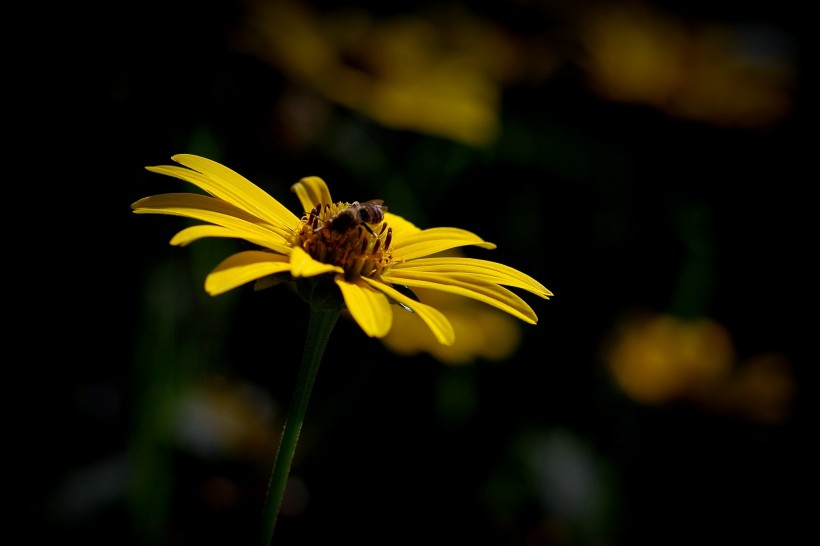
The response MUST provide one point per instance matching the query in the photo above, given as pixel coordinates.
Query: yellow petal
(244, 267)
(227, 184)
(312, 190)
(431, 316)
(482, 270)
(194, 233)
(302, 265)
(489, 293)
(430, 241)
(481, 331)
(369, 308)
(214, 211)
(173, 201)
(400, 226)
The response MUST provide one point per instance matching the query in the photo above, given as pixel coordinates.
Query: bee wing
(376, 203)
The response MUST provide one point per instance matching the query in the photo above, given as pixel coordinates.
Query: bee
(356, 214)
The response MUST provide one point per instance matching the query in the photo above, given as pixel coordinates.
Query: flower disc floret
(361, 249)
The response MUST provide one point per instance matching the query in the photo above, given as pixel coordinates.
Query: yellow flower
(657, 358)
(481, 331)
(433, 75)
(374, 257)
(636, 54)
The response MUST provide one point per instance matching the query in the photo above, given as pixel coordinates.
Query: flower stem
(321, 325)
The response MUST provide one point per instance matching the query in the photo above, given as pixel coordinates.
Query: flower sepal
(320, 292)
(271, 280)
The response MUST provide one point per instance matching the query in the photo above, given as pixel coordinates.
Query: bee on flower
(375, 258)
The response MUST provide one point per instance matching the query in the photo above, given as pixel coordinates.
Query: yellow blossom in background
(738, 76)
(481, 331)
(373, 257)
(761, 389)
(440, 73)
(656, 358)
(660, 358)
(443, 71)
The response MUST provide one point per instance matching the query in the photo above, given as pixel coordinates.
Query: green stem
(321, 325)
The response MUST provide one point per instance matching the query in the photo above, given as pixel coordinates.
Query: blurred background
(647, 161)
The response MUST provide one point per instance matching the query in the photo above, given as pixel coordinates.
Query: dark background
(603, 200)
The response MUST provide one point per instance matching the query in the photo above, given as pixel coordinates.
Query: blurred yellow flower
(634, 53)
(660, 358)
(761, 390)
(481, 331)
(443, 70)
(375, 258)
(437, 73)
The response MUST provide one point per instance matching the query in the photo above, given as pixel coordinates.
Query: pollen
(336, 234)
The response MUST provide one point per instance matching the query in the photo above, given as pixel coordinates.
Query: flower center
(353, 236)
